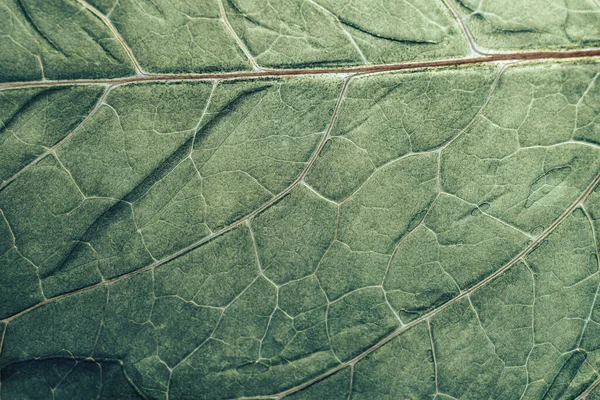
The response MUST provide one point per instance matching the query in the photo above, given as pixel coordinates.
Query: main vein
(367, 69)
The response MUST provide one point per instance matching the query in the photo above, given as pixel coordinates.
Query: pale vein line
(52, 150)
(533, 344)
(204, 113)
(350, 37)
(115, 32)
(435, 368)
(466, 32)
(12, 234)
(351, 382)
(479, 113)
(588, 390)
(237, 39)
(312, 189)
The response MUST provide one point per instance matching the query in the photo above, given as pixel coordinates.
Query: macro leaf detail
(304, 199)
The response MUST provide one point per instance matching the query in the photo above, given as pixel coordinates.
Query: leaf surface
(304, 199)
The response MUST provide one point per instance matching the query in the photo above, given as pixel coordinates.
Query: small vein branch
(115, 32)
(466, 32)
(52, 150)
(237, 39)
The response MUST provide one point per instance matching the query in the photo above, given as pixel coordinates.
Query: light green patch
(382, 210)
(343, 270)
(293, 235)
(341, 168)
(358, 320)
(416, 281)
(535, 24)
(172, 37)
(302, 296)
(471, 244)
(467, 364)
(505, 309)
(401, 368)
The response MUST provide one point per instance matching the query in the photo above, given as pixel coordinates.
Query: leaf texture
(303, 199)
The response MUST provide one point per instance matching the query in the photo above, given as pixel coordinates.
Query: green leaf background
(309, 199)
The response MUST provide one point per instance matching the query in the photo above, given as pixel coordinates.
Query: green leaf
(304, 199)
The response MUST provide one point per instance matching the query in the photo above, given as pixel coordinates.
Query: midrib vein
(358, 70)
